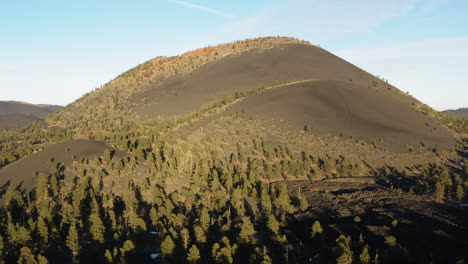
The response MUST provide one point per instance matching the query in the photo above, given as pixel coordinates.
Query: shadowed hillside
(16, 114)
(461, 112)
(22, 173)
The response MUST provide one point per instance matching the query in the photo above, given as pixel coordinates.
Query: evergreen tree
(364, 257)
(273, 224)
(439, 191)
(18, 234)
(193, 255)
(43, 232)
(303, 203)
(41, 259)
(283, 201)
(108, 256)
(343, 249)
(72, 240)
(127, 247)
(200, 234)
(316, 230)
(247, 231)
(26, 256)
(167, 247)
(97, 228)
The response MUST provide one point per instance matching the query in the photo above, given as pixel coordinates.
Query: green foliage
(127, 248)
(224, 252)
(26, 256)
(247, 231)
(316, 230)
(193, 255)
(364, 257)
(343, 249)
(303, 203)
(72, 240)
(41, 259)
(108, 256)
(97, 228)
(167, 247)
(18, 234)
(390, 241)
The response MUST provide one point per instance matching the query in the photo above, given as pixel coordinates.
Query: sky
(53, 52)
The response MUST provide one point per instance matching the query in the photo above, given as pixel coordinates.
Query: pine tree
(303, 203)
(225, 253)
(364, 257)
(167, 247)
(97, 228)
(43, 232)
(204, 218)
(343, 249)
(18, 234)
(41, 259)
(193, 255)
(199, 234)
(316, 230)
(108, 256)
(127, 247)
(283, 201)
(26, 256)
(439, 191)
(266, 260)
(72, 240)
(273, 224)
(247, 231)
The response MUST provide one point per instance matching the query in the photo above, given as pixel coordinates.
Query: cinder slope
(16, 120)
(185, 93)
(15, 114)
(21, 173)
(21, 108)
(345, 108)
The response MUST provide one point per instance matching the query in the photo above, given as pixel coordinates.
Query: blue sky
(56, 51)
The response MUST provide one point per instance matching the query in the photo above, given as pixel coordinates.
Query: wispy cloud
(204, 9)
(317, 20)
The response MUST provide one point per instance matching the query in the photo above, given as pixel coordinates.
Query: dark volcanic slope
(183, 94)
(461, 112)
(337, 107)
(15, 114)
(21, 172)
(19, 108)
(16, 120)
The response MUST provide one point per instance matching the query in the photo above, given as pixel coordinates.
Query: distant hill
(16, 114)
(461, 112)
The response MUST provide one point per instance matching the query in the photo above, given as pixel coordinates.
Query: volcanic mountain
(236, 154)
(285, 83)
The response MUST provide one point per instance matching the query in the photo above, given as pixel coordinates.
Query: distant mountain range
(15, 114)
(460, 112)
